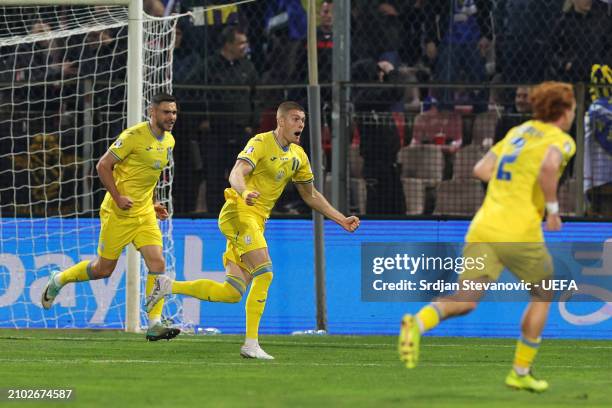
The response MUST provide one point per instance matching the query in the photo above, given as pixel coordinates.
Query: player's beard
(166, 127)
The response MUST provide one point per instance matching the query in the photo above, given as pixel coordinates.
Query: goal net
(63, 101)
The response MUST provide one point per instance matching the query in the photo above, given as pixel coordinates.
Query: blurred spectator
(580, 38)
(325, 47)
(437, 127)
(99, 53)
(231, 112)
(277, 75)
(598, 144)
(522, 30)
(185, 61)
(412, 29)
(379, 138)
(441, 128)
(519, 113)
(287, 20)
(459, 36)
(375, 31)
(154, 8)
(42, 60)
(325, 42)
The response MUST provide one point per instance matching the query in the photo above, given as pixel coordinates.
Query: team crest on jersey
(280, 175)
(149, 148)
(249, 150)
(118, 143)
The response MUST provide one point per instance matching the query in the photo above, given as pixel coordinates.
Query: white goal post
(139, 88)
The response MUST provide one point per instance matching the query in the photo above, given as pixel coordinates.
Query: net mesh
(63, 100)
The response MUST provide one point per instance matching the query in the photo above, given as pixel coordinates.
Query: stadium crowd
(261, 46)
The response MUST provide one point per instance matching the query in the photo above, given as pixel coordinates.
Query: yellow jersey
(273, 167)
(514, 205)
(141, 159)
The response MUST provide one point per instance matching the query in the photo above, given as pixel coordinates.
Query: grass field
(114, 369)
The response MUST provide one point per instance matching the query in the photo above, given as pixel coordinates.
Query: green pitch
(114, 369)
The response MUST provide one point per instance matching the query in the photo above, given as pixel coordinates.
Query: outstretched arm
(317, 202)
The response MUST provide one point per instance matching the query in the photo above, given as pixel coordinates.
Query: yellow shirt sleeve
(253, 152)
(304, 172)
(498, 147)
(566, 146)
(123, 146)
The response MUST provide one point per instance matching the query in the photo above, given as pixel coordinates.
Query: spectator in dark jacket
(231, 112)
(459, 35)
(580, 39)
(380, 141)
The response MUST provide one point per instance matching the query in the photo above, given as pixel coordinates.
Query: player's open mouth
(298, 133)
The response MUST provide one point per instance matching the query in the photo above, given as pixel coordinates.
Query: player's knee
(103, 271)
(234, 289)
(233, 295)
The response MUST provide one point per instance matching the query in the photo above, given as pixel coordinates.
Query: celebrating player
(130, 170)
(261, 172)
(523, 171)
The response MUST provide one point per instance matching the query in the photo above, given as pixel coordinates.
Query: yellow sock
(77, 273)
(526, 350)
(155, 313)
(428, 317)
(230, 291)
(256, 301)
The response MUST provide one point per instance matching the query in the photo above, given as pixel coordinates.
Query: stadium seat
(357, 193)
(422, 166)
(464, 162)
(484, 128)
(414, 195)
(422, 162)
(459, 197)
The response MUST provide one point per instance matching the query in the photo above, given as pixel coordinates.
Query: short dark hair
(228, 35)
(162, 97)
(287, 106)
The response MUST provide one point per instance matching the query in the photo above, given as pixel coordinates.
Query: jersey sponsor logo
(118, 143)
(249, 150)
(149, 148)
(273, 158)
